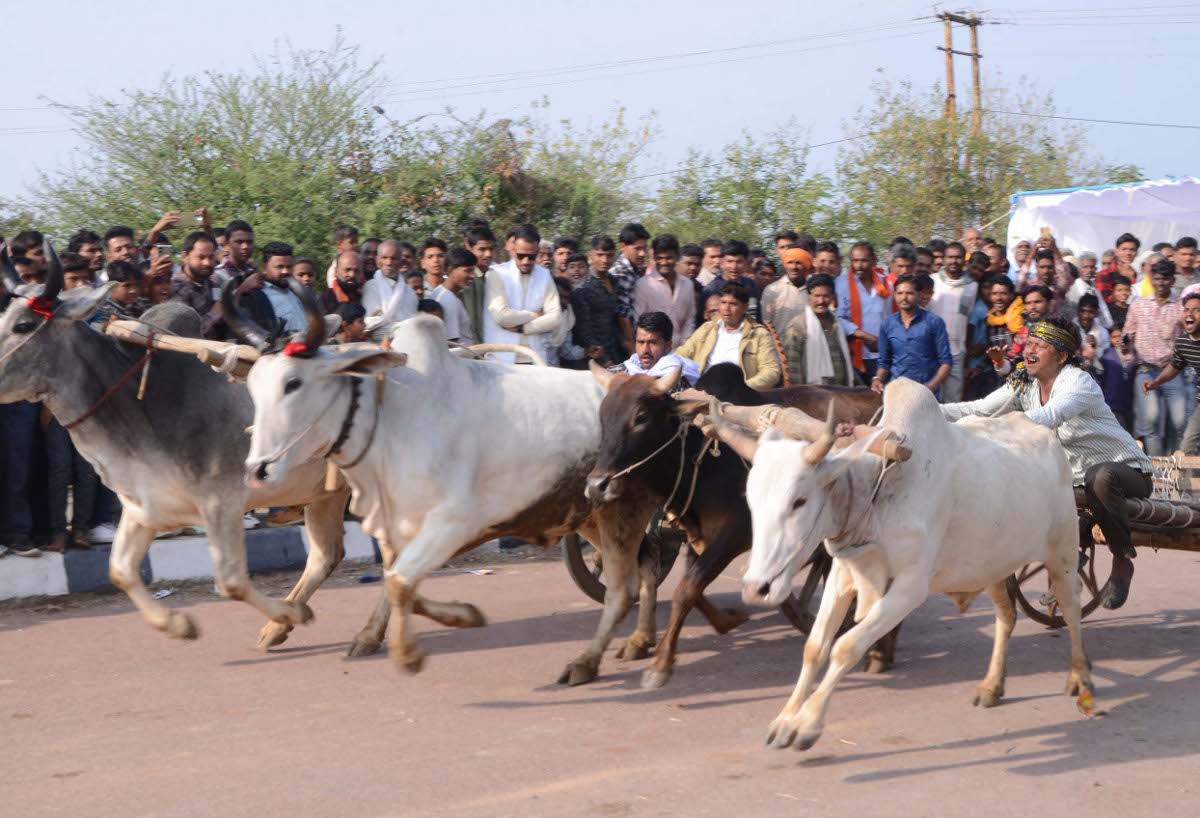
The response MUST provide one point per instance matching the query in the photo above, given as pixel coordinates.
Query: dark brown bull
(648, 448)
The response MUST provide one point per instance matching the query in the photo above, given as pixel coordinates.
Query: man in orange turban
(786, 298)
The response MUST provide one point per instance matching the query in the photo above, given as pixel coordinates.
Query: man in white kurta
(521, 299)
(386, 298)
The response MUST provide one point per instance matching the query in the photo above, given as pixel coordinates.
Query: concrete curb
(180, 558)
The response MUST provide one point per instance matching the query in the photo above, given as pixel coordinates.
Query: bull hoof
(806, 741)
(1076, 685)
(634, 648)
(652, 678)
(472, 617)
(578, 673)
(181, 626)
(410, 660)
(987, 696)
(363, 646)
(303, 614)
(781, 733)
(728, 620)
(877, 664)
(272, 634)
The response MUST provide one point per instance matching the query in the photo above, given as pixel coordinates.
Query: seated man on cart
(1052, 389)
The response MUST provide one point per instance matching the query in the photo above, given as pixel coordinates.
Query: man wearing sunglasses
(521, 299)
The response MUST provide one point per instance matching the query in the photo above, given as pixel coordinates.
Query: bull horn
(815, 452)
(746, 416)
(602, 375)
(243, 327)
(54, 273)
(11, 280)
(884, 445)
(663, 385)
(691, 394)
(314, 336)
(800, 425)
(738, 440)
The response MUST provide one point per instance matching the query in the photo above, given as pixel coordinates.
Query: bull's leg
(641, 641)
(723, 620)
(124, 569)
(227, 545)
(908, 591)
(620, 533)
(1064, 584)
(991, 689)
(442, 533)
(882, 654)
(326, 538)
(689, 593)
(835, 604)
(451, 614)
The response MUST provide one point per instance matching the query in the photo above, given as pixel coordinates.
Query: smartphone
(164, 249)
(1045, 232)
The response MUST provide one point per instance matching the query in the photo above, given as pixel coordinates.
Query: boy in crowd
(433, 263)
(1122, 291)
(127, 299)
(416, 282)
(304, 270)
(1119, 368)
(460, 265)
(576, 268)
(354, 323)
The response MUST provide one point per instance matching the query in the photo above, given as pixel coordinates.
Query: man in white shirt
(954, 295)
(521, 299)
(653, 355)
(460, 266)
(663, 290)
(386, 298)
(711, 269)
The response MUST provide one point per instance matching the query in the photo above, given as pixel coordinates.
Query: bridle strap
(348, 421)
(380, 380)
(112, 390)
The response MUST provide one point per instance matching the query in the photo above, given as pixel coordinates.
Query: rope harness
(112, 390)
(710, 445)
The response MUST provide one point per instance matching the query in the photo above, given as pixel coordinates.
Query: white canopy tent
(1091, 218)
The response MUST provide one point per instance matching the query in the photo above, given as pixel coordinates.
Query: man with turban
(1053, 391)
(786, 298)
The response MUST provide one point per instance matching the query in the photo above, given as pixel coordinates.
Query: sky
(753, 66)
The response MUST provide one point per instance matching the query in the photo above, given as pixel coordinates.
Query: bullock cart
(1169, 520)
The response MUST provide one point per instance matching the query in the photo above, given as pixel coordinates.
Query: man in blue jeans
(1154, 322)
(912, 342)
(18, 433)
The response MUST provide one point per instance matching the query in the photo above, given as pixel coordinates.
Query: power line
(501, 89)
(1103, 8)
(492, 78)
(1098, 121)
(683, 168)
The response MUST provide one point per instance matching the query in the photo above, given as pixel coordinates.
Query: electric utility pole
(972, 22)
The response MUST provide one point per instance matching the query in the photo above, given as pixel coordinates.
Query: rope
(129, 373)
(374, 425)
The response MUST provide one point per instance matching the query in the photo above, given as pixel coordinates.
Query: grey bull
(175, 457)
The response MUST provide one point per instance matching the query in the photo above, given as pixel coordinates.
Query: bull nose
(597, 487)
(257, 472)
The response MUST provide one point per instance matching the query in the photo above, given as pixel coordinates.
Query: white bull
(977, 500)
(443, 454)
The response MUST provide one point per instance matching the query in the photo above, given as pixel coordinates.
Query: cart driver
(1052, 389)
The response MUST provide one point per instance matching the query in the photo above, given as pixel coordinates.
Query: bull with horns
(917, 506)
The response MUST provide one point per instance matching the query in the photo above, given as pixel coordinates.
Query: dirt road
(100, 716)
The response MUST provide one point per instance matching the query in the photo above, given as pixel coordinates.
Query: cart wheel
(1031, 588)
(586, 567)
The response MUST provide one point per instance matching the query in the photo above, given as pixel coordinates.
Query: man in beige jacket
(732, 337)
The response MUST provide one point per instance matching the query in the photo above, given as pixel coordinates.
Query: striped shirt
(1076, 411)
(1154, 327)
(1187, 353)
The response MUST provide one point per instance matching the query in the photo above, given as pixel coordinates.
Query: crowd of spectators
(951, 315)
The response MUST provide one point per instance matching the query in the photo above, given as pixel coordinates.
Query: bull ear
(81, 303)
(602, 375)
(364, 360)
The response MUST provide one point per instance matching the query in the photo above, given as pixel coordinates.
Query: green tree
(751, 189)
(917, 173)
(280, 145)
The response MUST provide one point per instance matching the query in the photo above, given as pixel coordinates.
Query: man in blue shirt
(912, 342)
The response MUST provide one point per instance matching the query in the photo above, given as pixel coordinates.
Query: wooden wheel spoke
(1028, 574)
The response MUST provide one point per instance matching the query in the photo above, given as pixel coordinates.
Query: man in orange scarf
(864, 300)
(345, 289)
